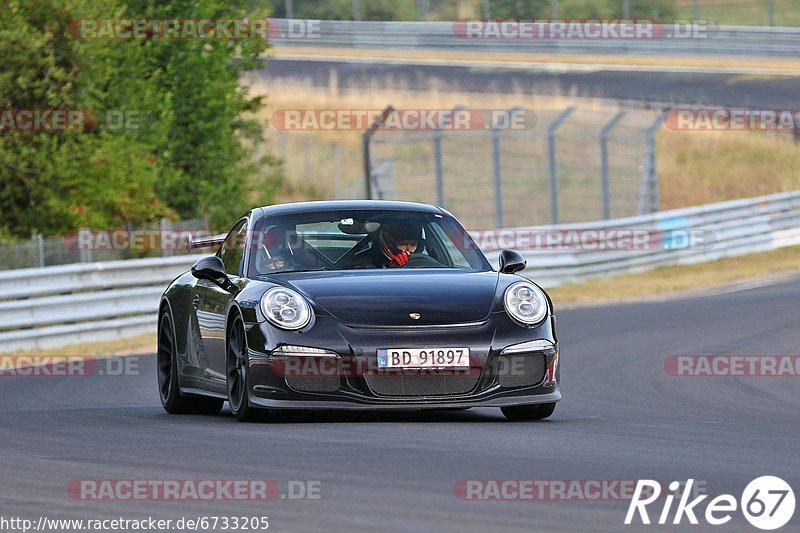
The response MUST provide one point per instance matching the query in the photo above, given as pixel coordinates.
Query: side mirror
(511, 262)
(212, 269)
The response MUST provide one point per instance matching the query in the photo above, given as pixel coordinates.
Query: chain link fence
(162, 239)
(574, 165)
(318, 168)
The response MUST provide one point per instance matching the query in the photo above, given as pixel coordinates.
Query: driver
(397, 241)
(273, 255)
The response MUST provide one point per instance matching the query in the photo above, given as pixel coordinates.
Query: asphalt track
(623, 417)
(666, 87)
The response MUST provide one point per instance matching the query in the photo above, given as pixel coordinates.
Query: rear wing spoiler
(206, 242)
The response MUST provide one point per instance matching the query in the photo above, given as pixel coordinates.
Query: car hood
(380, 298)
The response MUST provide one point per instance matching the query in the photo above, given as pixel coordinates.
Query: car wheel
(173, 401)
(237, 375)
(529, 412)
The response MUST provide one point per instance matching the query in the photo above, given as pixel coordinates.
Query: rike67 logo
(767, 503)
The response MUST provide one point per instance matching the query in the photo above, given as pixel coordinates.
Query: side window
(232, 250)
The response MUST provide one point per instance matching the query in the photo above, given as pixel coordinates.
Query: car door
(211, 301)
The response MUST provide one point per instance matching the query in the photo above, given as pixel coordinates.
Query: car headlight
(286, 308)
(525, 302)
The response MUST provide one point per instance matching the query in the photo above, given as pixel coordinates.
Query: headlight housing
(525, 303)
(286, 308)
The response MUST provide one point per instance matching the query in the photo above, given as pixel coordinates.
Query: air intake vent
(313, 382)
(422, 382)
(523, 370)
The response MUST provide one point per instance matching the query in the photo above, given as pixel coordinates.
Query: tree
(180, 146)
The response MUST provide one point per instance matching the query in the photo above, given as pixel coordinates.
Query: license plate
(423, 358)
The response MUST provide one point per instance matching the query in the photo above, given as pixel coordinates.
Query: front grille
(523, 370)
(422, 382)
(327, 381)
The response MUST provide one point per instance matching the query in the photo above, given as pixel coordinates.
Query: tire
(173, 401)
(529, 412)
(237, 376)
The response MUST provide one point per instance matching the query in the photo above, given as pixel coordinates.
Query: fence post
(437, 156)
(553, 167)
(651, 172)
(85, 235)
(366, 138)
(336, 169)
(356, 10)
(498, 184)
(437, 166)
(307, 158)
(289, 10)
(38, 241)
(626, 9)
(696, 10)
(163, 227)
(771, 12)
(487, 9)
(281, 141)
(554, 9)
(605, 177)
(422, 10)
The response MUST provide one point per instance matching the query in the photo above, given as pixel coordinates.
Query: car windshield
(361, 239)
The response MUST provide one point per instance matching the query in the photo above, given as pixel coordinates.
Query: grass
(129, 346)
(695, 167)
(699, 167)
(742, 12)
(680, 279)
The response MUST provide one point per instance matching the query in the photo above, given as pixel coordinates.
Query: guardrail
(55, 306)
(43, 308)
(755, 41)
(719, 230)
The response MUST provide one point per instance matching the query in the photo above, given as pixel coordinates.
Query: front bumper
(356, 383)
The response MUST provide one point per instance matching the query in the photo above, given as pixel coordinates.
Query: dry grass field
(695, 167)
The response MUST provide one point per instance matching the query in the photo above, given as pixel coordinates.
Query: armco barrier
(56, 306)
(753, 41)
(734, 228)
(43, 308)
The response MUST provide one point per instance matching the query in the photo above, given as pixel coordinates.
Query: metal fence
(703, 39)
(568, 165)
(55, 306)
(743, 12)
(317, 168)
(87, 246)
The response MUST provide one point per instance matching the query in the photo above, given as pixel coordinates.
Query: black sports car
(355, 305)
